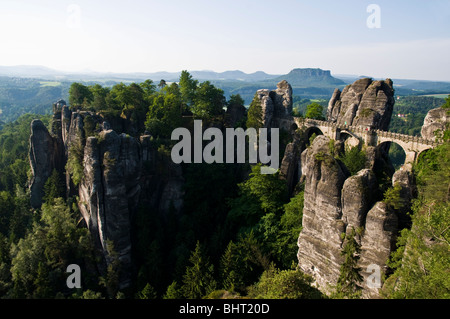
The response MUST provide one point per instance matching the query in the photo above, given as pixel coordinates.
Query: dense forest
(238, 233)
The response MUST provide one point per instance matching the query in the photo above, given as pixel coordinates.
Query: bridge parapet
(361, 131)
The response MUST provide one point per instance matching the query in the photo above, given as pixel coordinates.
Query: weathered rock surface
(290, 164)
(437, 120)
(120, 171)
(267, 107)
(377, 243)
(333, 205)
(282, 98)
(364, 103)
(45, 156)
(357, 198)
(110, 190)
(276, 105)
(320, 240)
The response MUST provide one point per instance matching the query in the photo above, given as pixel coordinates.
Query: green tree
(74, 165)
(393, 197)
(198, 281)
(231, 275)
(39, 261)
(6, 210)
(209, 101)
(79, 94)
(111, 279)
(348, 284)
(447, 103)
(173, 291)
(284, 284)
(162, 84)
(147, 293)
(53, 187)
(188, 87)
(354, 159)
(164, 115)
(314, 111)
(235, 99)
(149, 89)
(268, 189)
(421, 262)
(254, 115)
(99, 95)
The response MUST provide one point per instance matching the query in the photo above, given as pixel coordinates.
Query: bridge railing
(407, 138)
(360, 129)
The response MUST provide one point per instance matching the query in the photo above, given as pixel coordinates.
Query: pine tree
(229, 267)
(350, 277)
(254, 115)
(53, 187)
(147, 293)
(111, 280)
(198, 281)
(173, 291)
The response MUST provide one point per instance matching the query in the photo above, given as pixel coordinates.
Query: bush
(393, 198)
(75, 162)
(284, 284)
(354, 159)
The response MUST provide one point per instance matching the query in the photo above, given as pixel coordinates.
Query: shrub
(284, 284)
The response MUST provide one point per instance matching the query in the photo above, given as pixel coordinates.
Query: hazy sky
(412, 41)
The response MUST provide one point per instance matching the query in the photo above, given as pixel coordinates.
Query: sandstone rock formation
(335, 203)
(357, 197)
(320, 241)
(276, 105)
(365, 103)
(290, 164)
(45, 156)
(437, 120)
(377, 243)
(118, 173)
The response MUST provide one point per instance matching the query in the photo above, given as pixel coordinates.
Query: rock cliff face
(118, 173)
(335, 203)
(320, 240)
(276, 105)
(437, 120)
(365, 103)
(45, 156)
(109, 192)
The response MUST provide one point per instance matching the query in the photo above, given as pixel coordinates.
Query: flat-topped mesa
(365, 103)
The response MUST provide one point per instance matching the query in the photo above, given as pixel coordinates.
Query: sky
(405, 39)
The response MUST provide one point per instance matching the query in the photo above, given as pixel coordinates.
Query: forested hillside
(237, 234)
(19, 96)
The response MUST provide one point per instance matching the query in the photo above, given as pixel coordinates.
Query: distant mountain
(30, 71)
(36, 71)
(310, 78)
(313, 83)
(232, 76)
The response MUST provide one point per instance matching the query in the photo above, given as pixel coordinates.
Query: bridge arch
(349, 139)
(422, 153)
(310, 131)
(397, 153)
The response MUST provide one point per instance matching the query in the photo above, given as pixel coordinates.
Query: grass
(438, 96)
(49, 83)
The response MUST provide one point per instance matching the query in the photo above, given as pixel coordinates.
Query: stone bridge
(411, 145)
